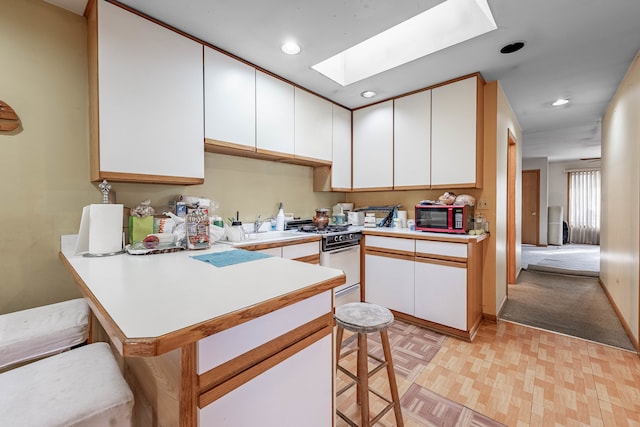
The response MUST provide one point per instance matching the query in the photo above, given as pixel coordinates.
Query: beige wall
(44, 170)
(619, 244)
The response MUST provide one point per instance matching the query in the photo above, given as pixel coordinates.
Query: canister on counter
(197, 227)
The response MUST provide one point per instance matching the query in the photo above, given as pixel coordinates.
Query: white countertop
(153, 295)
(407, 233)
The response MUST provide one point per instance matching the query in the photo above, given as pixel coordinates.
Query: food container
(197, 230)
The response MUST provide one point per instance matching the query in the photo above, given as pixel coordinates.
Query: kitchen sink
(271, 235)
(264, 237)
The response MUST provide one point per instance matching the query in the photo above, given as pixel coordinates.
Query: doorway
(531, 207)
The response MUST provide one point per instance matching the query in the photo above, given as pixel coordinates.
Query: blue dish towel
(236, 256)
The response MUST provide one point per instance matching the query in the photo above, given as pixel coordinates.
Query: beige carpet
(570, 305)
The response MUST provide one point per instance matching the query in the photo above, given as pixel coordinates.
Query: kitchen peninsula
(197, 342)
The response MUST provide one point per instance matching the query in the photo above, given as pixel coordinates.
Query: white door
(389, 282)
(373, 147)
(441, 294)
(412, 141)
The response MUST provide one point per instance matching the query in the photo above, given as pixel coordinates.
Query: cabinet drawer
(405, 245)
(230, 343)
(301, 250)
(447, 249)
(271, 251)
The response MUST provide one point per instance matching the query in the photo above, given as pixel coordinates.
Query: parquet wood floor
(510, 374)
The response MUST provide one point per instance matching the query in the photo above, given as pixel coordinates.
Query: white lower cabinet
(301, 250)
(441, 293)
(296, 392)
(389, 282)
(271, 251)
(437, 284)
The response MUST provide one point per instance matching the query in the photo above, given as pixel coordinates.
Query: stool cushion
(83, 386)
(42, 331)
(363, 317)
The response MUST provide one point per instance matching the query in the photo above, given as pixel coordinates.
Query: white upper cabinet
(455, 151)
(373, 147)
(412, 141)
(341, 165)
(313, 126)
(274, 115)
(229, 99)
(146, 90)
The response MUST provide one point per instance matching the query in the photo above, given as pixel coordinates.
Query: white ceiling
(578, 49)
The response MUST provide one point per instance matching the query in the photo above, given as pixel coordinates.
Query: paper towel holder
(85, 233)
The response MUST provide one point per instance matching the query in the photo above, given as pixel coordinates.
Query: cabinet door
(453, 133)
(373, 147)
(229, 99)
(274, 115)
(412, 141)
(389, 282)
(150, 99)
(441, 294)
(341, 161)
(313, 118)
(289, 391)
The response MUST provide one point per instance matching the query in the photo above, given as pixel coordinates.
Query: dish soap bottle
(280, 219)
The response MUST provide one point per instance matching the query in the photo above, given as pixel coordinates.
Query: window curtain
(584, 207)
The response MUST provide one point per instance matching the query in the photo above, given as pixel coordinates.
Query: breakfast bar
(197, 341)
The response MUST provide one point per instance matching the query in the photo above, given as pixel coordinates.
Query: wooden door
(531, 207)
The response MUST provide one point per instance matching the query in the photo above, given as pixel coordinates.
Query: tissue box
(139, 228)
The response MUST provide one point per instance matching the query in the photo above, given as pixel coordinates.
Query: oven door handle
(339, 251)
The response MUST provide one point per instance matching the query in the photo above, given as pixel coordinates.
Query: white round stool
(364, 318)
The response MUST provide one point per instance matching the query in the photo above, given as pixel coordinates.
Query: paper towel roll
(402, 216)
(100, 229)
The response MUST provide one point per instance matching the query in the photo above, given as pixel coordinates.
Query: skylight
(440, 27)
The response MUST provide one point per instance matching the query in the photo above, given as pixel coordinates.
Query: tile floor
(509, 375)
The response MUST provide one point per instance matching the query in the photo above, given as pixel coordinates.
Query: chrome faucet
(258, 223)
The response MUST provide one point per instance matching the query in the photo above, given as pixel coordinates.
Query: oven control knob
(335, 238)
(350, 236)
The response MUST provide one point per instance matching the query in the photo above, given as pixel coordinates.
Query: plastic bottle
(280, 219)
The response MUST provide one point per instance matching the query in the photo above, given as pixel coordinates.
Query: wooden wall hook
(9, 120)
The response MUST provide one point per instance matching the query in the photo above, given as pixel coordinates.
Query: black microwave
(445, 218)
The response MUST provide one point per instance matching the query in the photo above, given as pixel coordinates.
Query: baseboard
(624, 323)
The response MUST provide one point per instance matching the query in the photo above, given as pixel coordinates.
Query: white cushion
(42, 331)
(81, 387)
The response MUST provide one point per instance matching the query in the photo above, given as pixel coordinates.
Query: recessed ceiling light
(291, 48)
(368, 94)
(560, 102)
(511, 47)
(444, 25)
